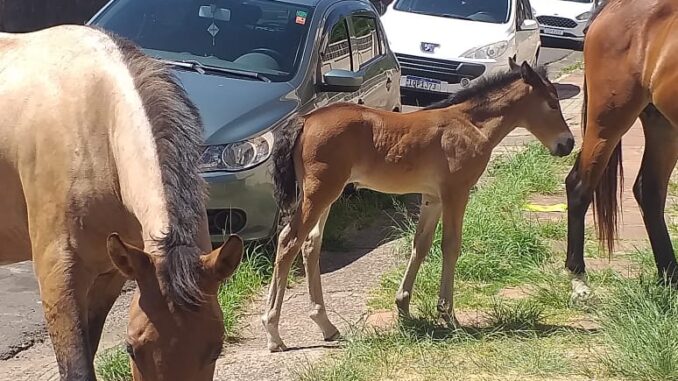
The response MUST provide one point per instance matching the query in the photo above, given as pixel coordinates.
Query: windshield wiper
(201, 68)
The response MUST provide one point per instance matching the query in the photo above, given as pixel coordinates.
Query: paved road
(21, 319)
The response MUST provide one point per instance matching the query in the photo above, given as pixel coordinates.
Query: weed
(113, 365)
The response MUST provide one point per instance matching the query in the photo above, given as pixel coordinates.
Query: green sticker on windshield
(301, 17)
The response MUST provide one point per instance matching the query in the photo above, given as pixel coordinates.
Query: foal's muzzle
(564, 145)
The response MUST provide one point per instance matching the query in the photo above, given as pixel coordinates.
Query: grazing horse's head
(542, 115)
(166, 340)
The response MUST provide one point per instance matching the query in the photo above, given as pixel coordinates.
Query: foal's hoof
(277, 347)
(334, 337)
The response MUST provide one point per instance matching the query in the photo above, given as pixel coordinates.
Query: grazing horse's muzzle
(564, 145)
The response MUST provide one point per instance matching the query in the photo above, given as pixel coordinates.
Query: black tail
(608, 192)
(284, 176)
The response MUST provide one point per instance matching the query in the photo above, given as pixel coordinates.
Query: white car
(443, 45)
(564, 19)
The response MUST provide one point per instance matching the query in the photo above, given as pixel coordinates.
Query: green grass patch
(113, 365)
(640, 330)
(254, 271)
(352, 213)
(579, 65)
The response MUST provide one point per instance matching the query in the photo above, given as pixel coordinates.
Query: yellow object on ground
(545, 208)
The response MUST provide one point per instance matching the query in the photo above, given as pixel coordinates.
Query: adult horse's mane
(482, 87)
(177, 128)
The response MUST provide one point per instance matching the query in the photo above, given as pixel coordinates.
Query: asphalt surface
(21, 318)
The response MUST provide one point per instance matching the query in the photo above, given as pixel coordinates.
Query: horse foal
(439, 152)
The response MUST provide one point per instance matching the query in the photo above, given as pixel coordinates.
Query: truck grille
(560, 22)
(442, 70)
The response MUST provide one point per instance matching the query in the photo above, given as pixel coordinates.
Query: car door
(370, 60)
(335, 53)
(527, 40)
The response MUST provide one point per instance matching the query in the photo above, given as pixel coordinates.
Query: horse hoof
(276, 347)
(334, 337)
(581, 294)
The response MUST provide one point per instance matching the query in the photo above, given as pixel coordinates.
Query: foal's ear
(129, 260)
(512, 64)
(529, 75)
(223, 261)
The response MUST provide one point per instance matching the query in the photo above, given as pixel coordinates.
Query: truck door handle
(361, 101)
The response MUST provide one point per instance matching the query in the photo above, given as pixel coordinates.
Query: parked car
(564, 19)
(251, 65)
(443, 46)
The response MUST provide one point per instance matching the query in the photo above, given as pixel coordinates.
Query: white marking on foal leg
(423, 238)
(580, 288)
(311, 253)
(287, 250)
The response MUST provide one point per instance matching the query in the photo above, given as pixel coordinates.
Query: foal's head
(541, 113)
(168, 340)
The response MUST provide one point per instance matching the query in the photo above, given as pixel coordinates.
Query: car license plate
(423, 84)
(557, 32)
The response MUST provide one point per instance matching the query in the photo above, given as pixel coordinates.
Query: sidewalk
(631, 228)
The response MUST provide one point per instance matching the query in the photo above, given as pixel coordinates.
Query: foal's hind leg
(311, 253)
(290, 241)
(650, 188)
(428, 220)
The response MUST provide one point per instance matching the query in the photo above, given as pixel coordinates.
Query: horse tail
(284, 176)
(608, 192)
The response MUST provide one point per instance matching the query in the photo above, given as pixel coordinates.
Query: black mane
(482, 87)
(177, 128)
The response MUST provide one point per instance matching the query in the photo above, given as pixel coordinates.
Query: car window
(337, 53)
(366, 43)
(492, 11)
(528, 9)
(262, 36)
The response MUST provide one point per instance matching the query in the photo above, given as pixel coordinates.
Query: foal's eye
(130, 350)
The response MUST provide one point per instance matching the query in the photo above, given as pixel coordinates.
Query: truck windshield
(492, 11)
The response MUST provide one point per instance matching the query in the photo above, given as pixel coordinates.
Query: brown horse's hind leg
(63, 290)
(423, 238)
(454, 206)
(101, 296)
(314, 203)
(650, 188)
(311, 253)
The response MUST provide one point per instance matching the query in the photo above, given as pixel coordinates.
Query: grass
(113, 365)
(579, 65)
(352, 213)
(640, 331)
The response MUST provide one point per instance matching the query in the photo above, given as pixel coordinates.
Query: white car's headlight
(584, 16)
(490, 51)
(237, 156)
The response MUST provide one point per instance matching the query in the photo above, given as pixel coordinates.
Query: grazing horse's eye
(130, 350)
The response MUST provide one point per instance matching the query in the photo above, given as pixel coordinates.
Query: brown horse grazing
(95, 138)
(631, 56)
(439, 152)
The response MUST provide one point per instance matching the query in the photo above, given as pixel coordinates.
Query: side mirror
(529, 25)
(343, 81)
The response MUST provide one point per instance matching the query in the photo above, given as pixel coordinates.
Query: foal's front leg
(428, 220)
(453, 215)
